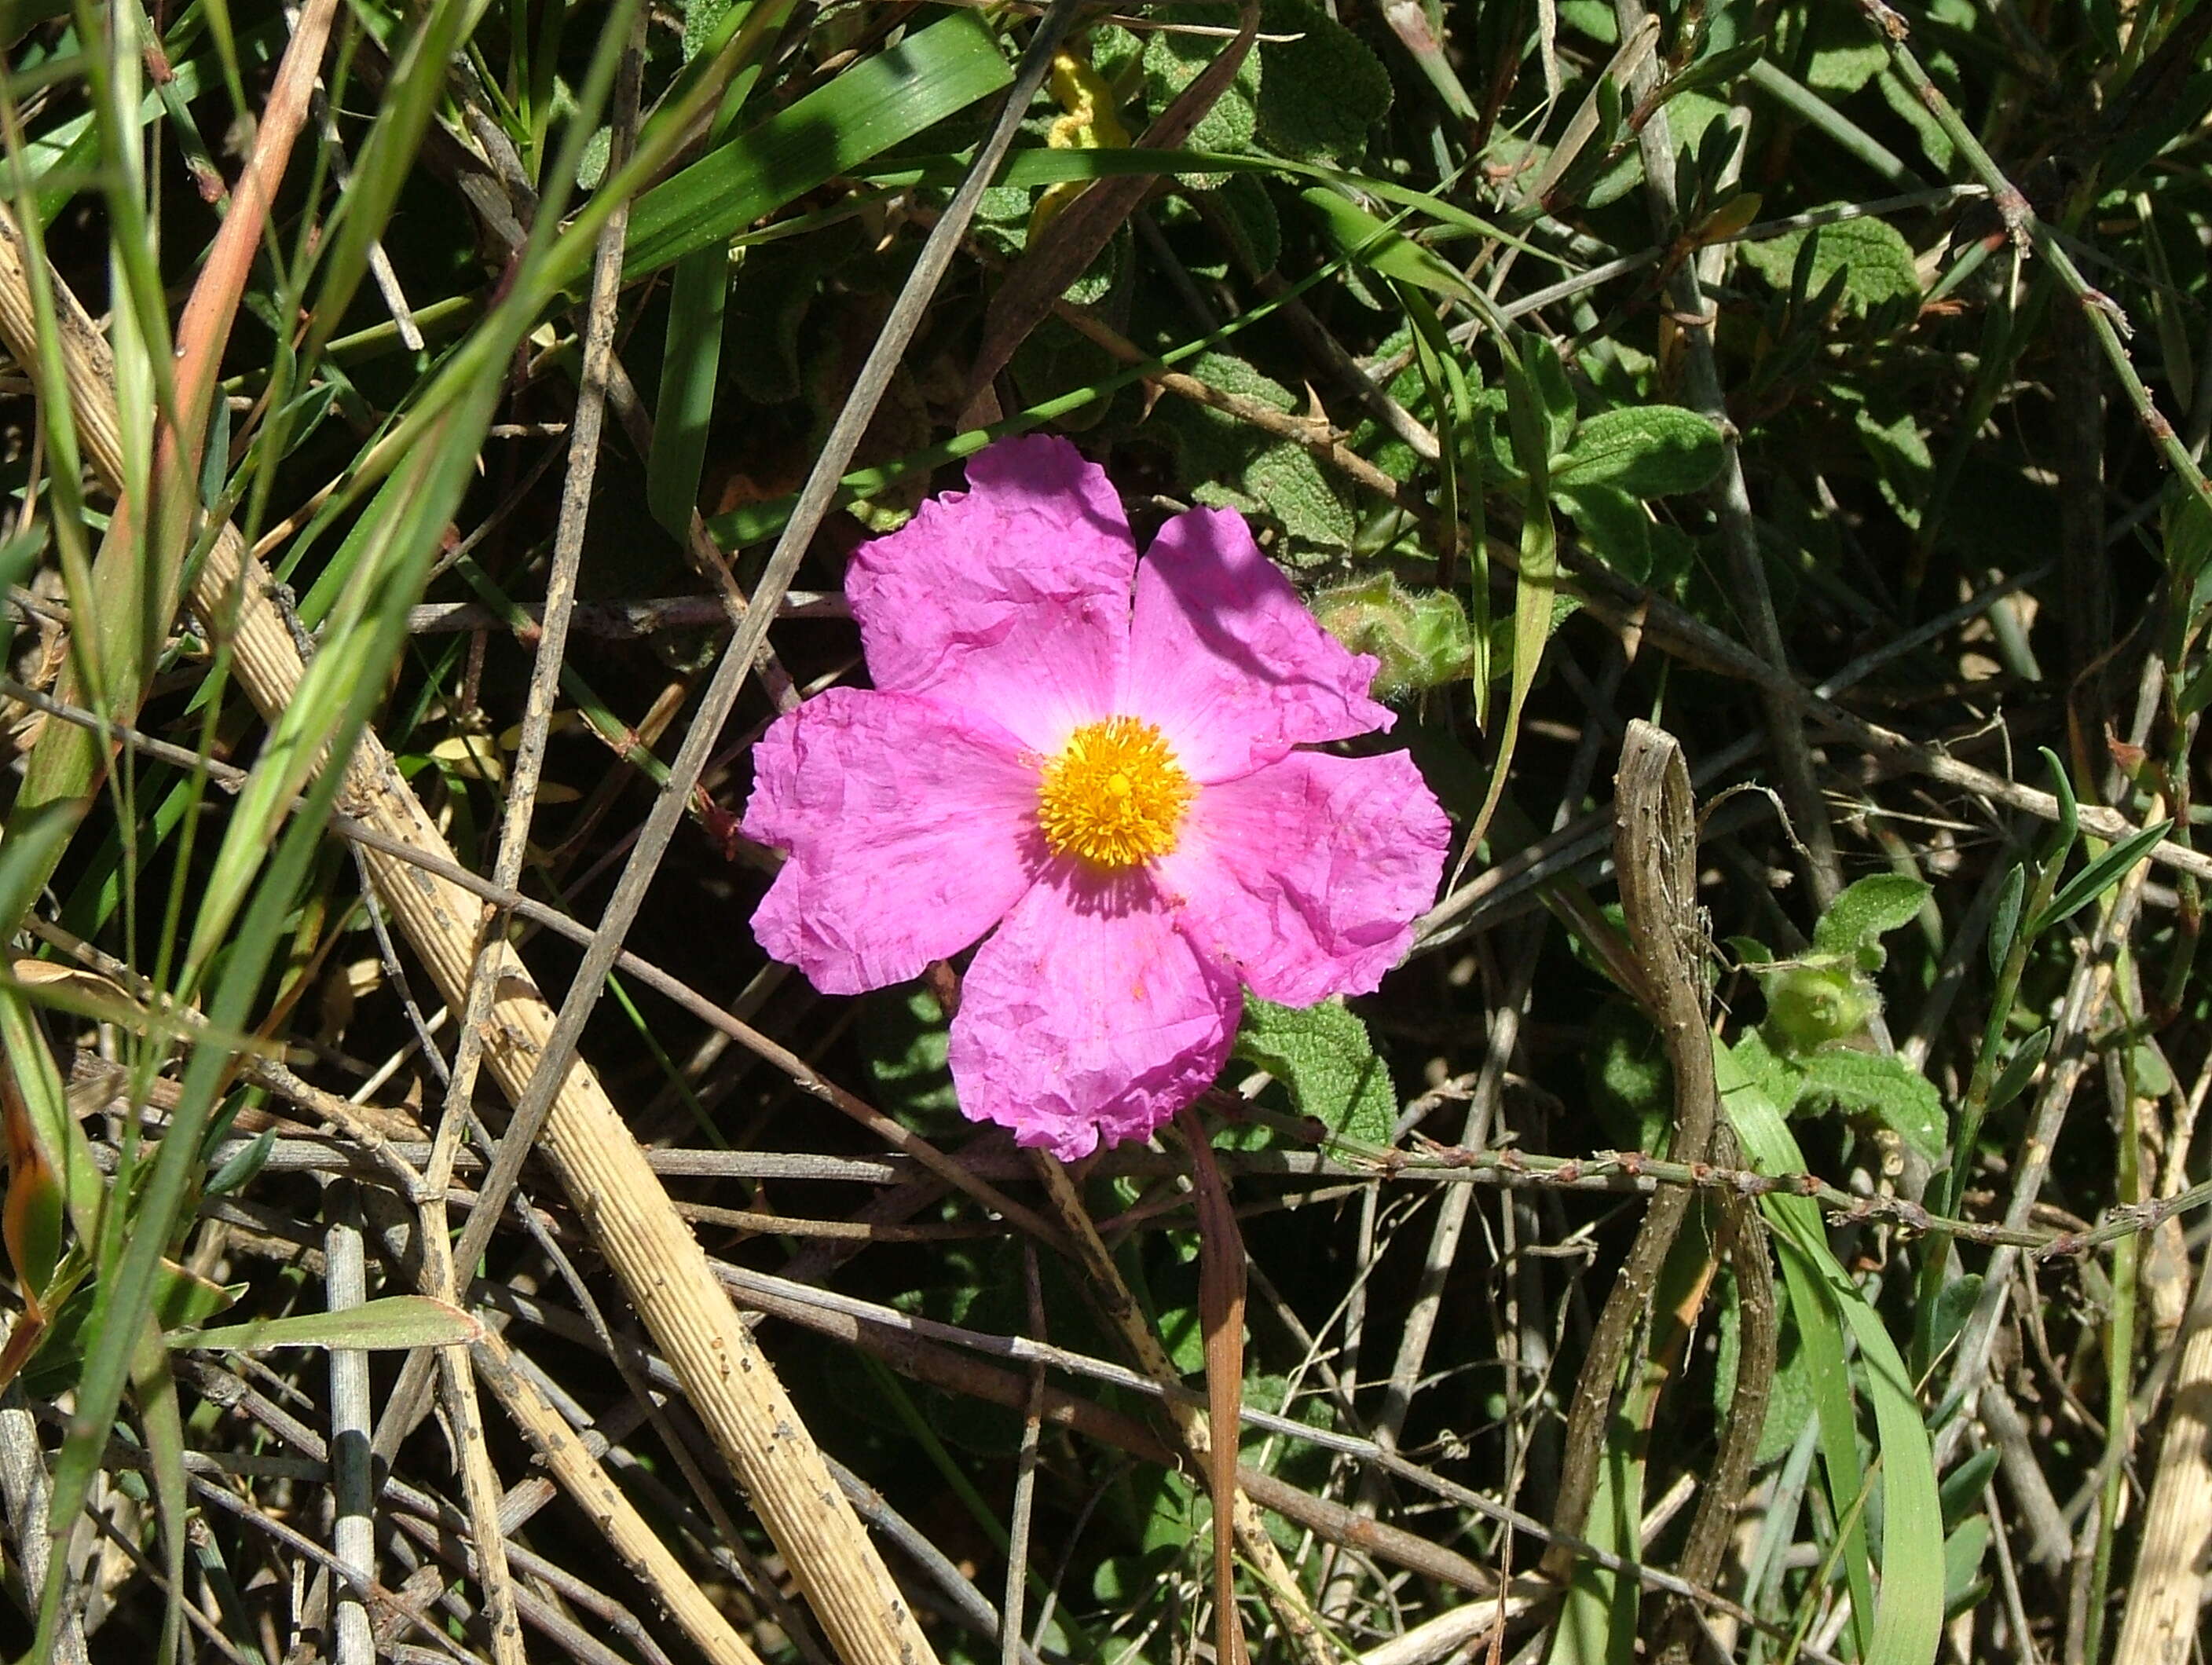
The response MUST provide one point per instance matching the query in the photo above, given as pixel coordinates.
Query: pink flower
(1112, 783)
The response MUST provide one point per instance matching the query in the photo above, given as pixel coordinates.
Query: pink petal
(911, 829)
(1011, 598)
(1225, 658)
(1088, 1019)
(1306, 877)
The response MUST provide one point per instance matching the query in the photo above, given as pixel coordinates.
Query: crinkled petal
(1011, 598)
(1228, 662)
(1088, 1019)
(1305, 877)
(911, 829)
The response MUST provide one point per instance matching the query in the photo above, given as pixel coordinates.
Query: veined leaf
(1867, 910)
(1646, 450)
(1882, 1085)
(1322, 1056)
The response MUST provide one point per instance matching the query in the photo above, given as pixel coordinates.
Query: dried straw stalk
(631, 1216)
(2161, 1624)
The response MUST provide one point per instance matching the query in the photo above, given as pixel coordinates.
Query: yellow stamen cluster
(1115, 796)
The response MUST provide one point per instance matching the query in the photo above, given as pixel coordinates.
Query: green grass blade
(156, 1390)
(876, 104)
(1908, 1614)
(398, 1322)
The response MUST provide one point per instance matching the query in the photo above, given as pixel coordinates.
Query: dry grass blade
(2162, 1621)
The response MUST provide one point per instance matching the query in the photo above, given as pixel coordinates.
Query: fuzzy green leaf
(905, 1043)
(1627, 1077)
(1880, 1084)
(1322, 92)
(1904, 465)
(1245, 470)
(1647, 451)
(1174, 59)
(1321, 1055)
(1878, 259)
(1867, 911)
(1613, 524)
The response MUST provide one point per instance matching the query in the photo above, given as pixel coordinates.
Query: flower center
(1115, 796)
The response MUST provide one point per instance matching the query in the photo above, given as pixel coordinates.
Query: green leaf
(690, 363)
(1321, 1055)
(63, 1145)
(1241, 468)
(1421, 637)
(2019, 1072)
(1625, 1074)
(2006, 918)
(1173, 59)
(904, 1040)
(36, 1211)
(1865, 912)
(1878, 259)
(1963, 1487)
(35, 839)
(239, 1168)
(2070, 807)
(1936, 144)
(1286, 485)
(1845, 69)
(1321, 93)
(1880, 1084)
(2195, 694)
(1647, 451)
(393, 1322)
(2150, 131)
(1247, 214)
(2188, 540)
(1614, 526)
(1382, 250)
(1597, 1621)
(1908, 1615)
(1962, 1562)
(1548, 379)
(1904, 465)
(700, 17)
(1717, 68)
(183, 1299)
(878, 102)
(1774, 1076)
(2099, 877)
(159, 1414)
